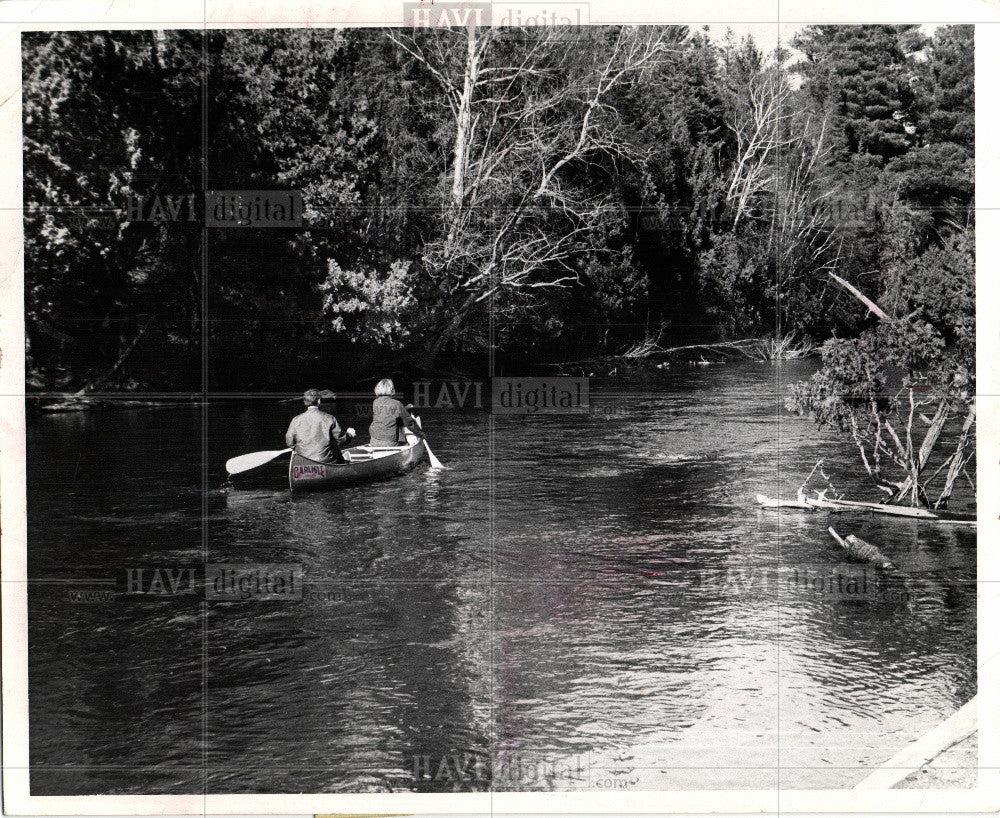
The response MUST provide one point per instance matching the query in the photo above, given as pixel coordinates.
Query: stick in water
(245, 462)
(837, 537)
(435, 463)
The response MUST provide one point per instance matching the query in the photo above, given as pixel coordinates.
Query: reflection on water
(581, 601)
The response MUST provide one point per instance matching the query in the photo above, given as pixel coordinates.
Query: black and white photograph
(496, 400)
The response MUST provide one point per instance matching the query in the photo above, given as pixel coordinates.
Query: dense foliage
(581, 195)
(918, 354)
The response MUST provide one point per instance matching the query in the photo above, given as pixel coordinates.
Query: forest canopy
(581, 196)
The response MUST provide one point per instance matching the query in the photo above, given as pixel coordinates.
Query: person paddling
(315, 434)
(390, 419)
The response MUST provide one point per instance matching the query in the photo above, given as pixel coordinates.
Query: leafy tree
(649, 181)
(108, 117)
(920, 357)
(332, 116)
(671, 192)
(766, 264)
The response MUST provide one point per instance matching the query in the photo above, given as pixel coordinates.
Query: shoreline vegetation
(647, 354)
(616, 196)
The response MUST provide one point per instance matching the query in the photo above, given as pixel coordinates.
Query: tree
(919, 358)
(108, 117)
(767, 261)
(473, 186)
(335, 115)
(936, 178)
(530, 127)
(905, 109)
(861, 75)
(673, 194)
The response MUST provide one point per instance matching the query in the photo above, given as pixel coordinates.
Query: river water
(579, 601)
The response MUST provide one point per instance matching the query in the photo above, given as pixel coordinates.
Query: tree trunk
(910, 485)
(958, 459)
(121, 359)
(463, 130)
(452, 327)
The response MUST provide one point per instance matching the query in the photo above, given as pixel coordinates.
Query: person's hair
(311, 397)
(385, 387)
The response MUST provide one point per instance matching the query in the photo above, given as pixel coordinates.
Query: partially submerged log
(883, 508)
(822, 504)
(860, 551)
(827, 504)
(768, 502)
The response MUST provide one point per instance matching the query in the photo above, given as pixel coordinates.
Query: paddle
(245, 462)
(325, 394)
(435, 463)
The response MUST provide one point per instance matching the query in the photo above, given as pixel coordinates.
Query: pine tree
(861, 74)
(937, 178)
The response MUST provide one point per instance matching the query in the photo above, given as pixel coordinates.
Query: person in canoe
(390, 419)
(316, 434)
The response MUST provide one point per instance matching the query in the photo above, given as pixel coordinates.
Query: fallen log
(767, 502)
(860, 551)
(872, 306)
(835, 506)
(650, 349)
(822, 502)
(89, 387)
(883, 508)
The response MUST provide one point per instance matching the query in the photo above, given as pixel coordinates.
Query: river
(586, 600)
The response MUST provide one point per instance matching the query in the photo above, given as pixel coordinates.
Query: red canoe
(365, 464)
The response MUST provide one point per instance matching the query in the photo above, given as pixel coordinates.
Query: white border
(17, 16)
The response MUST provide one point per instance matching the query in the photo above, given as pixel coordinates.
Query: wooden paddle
(435, 463)
(245, 462)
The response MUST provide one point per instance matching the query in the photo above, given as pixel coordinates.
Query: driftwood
(821, 503)
(885, 508)
(860, 551)
(768, 502)
(864, 299)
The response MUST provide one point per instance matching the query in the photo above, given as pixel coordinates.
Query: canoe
(366, 464)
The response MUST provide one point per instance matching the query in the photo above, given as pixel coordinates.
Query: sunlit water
(579, 601)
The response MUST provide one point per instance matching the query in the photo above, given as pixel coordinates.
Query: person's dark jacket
(390, 420)
(316, 435)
